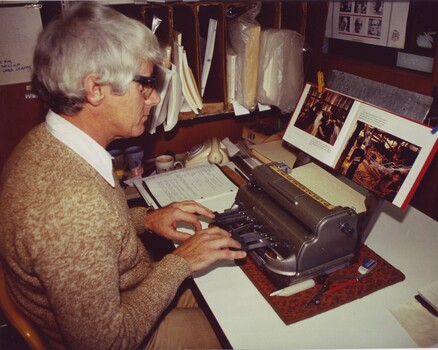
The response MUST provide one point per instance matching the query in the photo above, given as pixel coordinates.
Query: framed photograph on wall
(380, 23)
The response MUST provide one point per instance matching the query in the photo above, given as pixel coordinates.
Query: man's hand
(208, 246)
(163, 221)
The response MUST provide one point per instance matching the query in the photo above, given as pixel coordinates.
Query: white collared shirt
(82, 144)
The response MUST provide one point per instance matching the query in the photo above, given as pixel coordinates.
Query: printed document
(200, 183)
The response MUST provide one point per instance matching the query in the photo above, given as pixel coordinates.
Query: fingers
(208, 246)
(188, 211)
(222, 241)
(216, 230)
(192, 219)
(164, 221)
(231, 254)
(193, 207)
(204, 247)
(175, 235)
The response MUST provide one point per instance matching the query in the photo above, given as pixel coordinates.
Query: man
(358, 23)
(357, 157)
(360, 7)
(344, 24)
(68, 242)
(325, 129)
(388, 185)
(307, 120)
(374, 27)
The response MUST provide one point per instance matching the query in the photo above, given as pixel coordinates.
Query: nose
(153, 99)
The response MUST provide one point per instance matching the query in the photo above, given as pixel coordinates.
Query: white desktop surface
(406, 239)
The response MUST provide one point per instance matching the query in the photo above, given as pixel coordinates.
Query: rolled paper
(294, 289)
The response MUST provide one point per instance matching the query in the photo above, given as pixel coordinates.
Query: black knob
(347, 229)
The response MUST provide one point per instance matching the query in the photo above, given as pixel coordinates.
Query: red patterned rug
(341, 291)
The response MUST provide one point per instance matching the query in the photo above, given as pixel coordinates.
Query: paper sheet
(19, 28)
(419, 323)
(163, 77)
(209, 50)
(178, 53)
(329, 187)
(199, 183)
(175, 100)
(274, 151)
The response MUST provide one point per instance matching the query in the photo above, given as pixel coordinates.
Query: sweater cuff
(180, 266)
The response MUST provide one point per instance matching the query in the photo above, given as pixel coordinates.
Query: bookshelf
(189, 17)
(191, 20)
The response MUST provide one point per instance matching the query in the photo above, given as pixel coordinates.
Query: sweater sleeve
(100, 284)
(137, 216)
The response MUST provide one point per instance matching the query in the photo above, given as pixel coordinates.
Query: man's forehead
(147, 67)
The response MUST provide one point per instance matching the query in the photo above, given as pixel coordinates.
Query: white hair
(89, 38)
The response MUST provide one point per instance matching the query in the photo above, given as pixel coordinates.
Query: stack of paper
(168, 86)
(244, 38)
(192, 97)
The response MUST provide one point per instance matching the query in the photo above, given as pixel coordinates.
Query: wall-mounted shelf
(191, 20)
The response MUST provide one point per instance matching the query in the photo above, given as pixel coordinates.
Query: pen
(326, 289)
(346, 284)
(434, 130)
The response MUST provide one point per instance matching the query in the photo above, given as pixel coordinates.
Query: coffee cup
(165, 163)
(134, 157)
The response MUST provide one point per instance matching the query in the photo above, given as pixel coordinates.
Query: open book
(383, 152)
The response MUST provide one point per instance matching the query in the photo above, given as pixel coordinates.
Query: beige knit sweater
(70, 249)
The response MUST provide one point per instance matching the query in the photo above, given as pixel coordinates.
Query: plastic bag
(244, 39)
(281, 71)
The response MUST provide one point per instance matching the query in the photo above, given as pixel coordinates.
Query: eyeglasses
(147, 85)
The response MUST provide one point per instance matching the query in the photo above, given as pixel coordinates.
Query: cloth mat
(296, 307)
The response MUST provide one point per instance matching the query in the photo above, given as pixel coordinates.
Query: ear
(94, 92)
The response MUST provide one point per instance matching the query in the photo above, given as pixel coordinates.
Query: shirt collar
(82, 144)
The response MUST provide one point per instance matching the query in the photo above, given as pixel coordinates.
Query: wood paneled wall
(20, 111)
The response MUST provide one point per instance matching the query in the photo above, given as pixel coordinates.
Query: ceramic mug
(165, 163)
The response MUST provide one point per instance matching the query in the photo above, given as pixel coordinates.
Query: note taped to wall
(19, 29)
